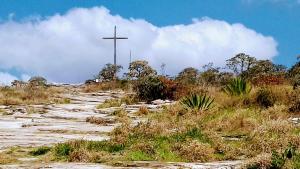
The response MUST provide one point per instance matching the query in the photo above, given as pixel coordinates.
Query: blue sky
(278, 19)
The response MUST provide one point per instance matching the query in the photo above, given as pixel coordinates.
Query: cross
(115, 47)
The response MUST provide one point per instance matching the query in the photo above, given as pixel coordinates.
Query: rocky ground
(39, 125)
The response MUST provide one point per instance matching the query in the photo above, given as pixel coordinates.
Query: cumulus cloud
(70, 48)
(6, 78)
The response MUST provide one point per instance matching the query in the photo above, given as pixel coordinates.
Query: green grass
(62, 150)
(138, 156)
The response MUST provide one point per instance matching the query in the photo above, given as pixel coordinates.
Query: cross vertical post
(115, 38)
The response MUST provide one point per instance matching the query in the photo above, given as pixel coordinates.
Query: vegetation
(108, 72)
(265, 98)
(110, 103)
(250, 118)
(140, 69)
(197, 102)
(154, 87)
(40, 151)
(237, 87)
(31, 95)
(37, 81)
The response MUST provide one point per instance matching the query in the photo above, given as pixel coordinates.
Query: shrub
(153, 87)
(149, 88)
(265, 98)
(277, 160)
(197, 102)
(169, 87)
(237, 87)
(37, 81)
(268, 80)
(294, 102)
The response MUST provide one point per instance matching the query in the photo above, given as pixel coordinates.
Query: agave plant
(197, 102)
(237, 87)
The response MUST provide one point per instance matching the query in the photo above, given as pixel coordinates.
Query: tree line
(258, 72)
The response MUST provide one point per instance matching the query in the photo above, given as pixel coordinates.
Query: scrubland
(251, 116)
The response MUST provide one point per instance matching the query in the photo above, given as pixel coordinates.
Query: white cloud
(70, 48)
(6, 78)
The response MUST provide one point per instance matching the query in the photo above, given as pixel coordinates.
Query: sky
(61, 39)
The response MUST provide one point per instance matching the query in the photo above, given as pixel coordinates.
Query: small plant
(40, 151)
(197, 102)
(265, 98)
(237, 87)
(62, 150)
(110, 103)
(143, 110)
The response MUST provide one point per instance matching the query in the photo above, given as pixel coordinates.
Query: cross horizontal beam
(115, 38)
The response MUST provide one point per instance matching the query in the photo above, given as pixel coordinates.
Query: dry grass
(236, 128)
(7, 159)
(143, 110)
(30, 95)
(110, 103)
(99, 120)
(104, 86)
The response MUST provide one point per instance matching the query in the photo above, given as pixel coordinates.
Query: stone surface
(141, 165)
(61, 122)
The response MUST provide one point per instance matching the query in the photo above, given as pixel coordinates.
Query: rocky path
(53, 123)
(50, 124)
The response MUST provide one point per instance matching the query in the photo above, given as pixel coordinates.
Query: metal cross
(115, 46)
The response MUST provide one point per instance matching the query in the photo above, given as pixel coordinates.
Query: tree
(266, 67)
(265, 72)
(108, 72)
(294, 74)
(139, 69)
(210, 74)
(188, 76)
(37, 81)
(240, 63)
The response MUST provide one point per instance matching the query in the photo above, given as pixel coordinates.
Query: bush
(265, 98)
(153, 87)
(295, 102)
(37, 81)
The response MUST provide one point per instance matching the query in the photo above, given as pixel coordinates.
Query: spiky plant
(197, 102)
(237, 87)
